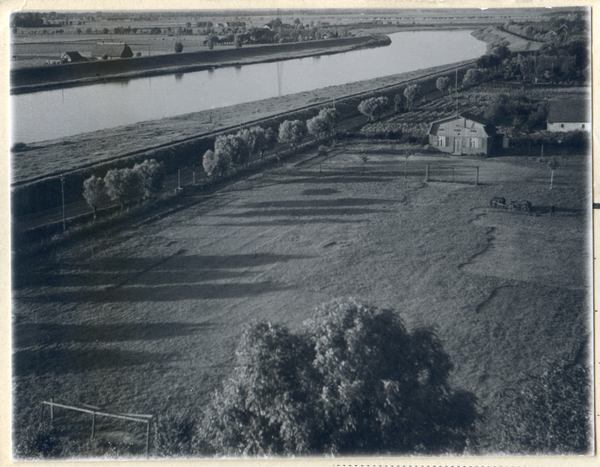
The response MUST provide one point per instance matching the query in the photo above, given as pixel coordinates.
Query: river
(61, 113)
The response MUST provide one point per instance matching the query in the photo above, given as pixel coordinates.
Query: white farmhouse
(569, 115)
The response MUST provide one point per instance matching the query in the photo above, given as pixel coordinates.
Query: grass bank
(144, 317)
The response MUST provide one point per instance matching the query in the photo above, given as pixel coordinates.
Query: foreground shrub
(549, 414)
(353, 381)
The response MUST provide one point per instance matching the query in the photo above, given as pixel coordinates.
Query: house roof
(488, 126)
(467, 115)
(75, 56)
(571, 110)
(112, 50)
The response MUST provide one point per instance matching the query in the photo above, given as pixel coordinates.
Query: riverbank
(495, 36)
(63, 155)
(37, 79)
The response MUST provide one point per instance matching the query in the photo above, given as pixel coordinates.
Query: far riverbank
(37, 79)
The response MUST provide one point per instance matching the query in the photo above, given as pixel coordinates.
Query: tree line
(142, 182)
(235, 150)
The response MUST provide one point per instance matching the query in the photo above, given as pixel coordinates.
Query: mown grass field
(145, 318)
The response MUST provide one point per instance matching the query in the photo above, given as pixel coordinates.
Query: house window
(442, 141)
(475, 143)
(473, 131)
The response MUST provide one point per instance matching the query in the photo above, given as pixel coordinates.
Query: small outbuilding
(569, 115)
(462, 134)
(105, 51)
(72, 57)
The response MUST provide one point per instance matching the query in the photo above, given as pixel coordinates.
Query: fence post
(477, 177)
(193, 175)
(64, 212)
(427, 173)
(93, 425)
(179, 179)
(147, 438)
(42, 414)
(51, 411)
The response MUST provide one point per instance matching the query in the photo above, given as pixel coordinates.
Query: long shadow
(64, 361)
(31, 334)
(152, 277)
(313, 212)
(167, 293)
(345, 202)
(100, 268)
(540, 210)
(287, 222)
(320, 192)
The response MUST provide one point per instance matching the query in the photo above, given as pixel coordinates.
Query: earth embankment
(76, 74)
(178, 141)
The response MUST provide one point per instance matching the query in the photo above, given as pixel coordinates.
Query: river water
(60, 113)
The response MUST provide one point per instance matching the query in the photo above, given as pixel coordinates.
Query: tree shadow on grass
(153, 293)
(286, 222)
(320, 204)
(320, 192)
(35, 334)
(153, 269)
(313, 212)
(64, 361)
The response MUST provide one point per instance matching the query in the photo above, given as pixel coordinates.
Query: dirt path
(146, 319)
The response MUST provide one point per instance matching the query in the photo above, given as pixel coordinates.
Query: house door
(457, 145)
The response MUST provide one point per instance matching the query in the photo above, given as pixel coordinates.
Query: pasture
(145, 318)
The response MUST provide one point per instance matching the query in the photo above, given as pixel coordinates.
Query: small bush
(178, 47)
(549, 414)
(18, 147)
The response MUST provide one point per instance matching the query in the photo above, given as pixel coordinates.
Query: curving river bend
(60, 113)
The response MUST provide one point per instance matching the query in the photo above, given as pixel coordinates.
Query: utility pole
(456, 90)
(62, 186)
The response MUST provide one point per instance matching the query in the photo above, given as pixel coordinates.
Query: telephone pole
(62, 189)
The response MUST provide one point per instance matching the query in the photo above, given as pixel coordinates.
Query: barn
(72, 57)
(110, 50)
(569, 115)
(462, 134)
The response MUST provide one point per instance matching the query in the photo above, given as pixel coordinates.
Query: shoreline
(63, 155)
(30, 80)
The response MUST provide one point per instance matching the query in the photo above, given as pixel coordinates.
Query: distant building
(462, 134)
(105, 51)
(70, 57)
(569, 115)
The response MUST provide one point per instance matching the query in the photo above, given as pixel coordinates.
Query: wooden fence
(97, 412)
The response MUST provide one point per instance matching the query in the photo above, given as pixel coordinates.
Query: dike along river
(60, 113)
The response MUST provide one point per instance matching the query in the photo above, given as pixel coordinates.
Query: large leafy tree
(442, 83)
(373, 107)
(413, 93)
(292, 132)
(233, 147)
(352, 381)
(123, 185)
(215, 164)
(152, 175)
(258, 140)
(94, 192)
